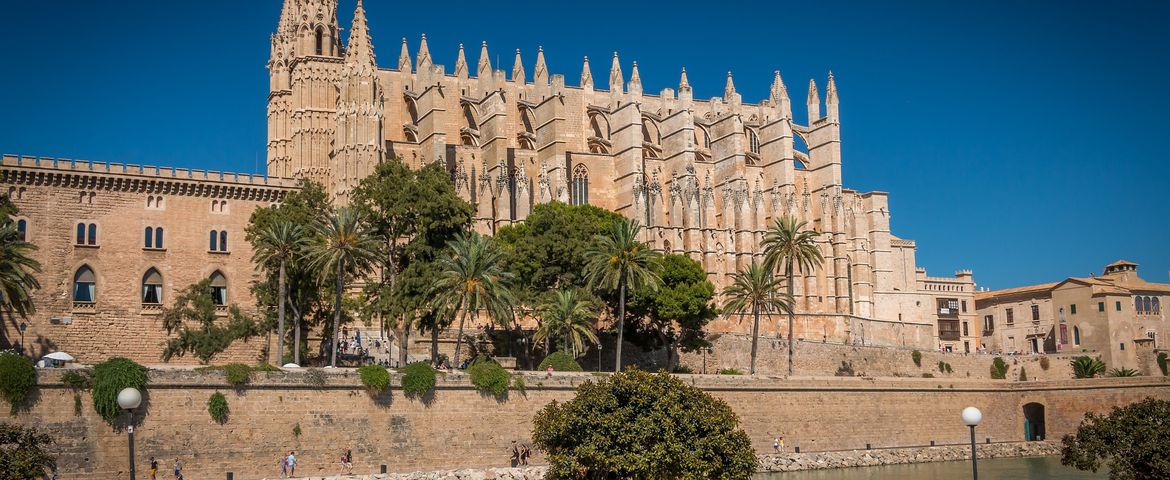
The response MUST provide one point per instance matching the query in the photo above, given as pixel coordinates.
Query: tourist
(776, 444)
(515, 455)
(782, 443)
(292, 464)
(345, 462)
(178, 470)
(524, 453)
(283, 463)
(153, 468)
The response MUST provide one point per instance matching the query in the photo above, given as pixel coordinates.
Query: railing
(84, 307)
(152, 308)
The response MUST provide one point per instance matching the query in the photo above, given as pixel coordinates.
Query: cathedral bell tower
(359, 145)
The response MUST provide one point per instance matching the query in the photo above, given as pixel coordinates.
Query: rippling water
(1028, 468)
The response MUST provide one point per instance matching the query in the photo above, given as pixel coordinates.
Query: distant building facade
(1117, 315)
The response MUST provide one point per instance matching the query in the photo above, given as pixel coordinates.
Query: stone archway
(1034, 422)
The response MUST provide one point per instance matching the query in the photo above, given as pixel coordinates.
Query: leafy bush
(315, 377)
(917, 357)
(17, 377)
(24, 452)
(1087, 367)
(949, 369)
(77, 380)
(489, 376)
(683, 369)
(604, 432)
(942, 366)
(1132, 438)
(217, 407)
(1044, 363)
(109, 378)
(297, 430)
(1123, 372)
(1023, 375)
(845, 370)
(560, 362)
(237, 374)
(999, 368)
(518, 384)
(731, 371)
(374, 377)
(1162, 363)
(418, 378)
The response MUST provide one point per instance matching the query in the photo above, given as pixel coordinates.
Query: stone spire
(518, 69)
(540, 71)
(814, 102)
(586, 74)
(287, 17)
(423, 61)
(616, 80)
(359, 50)
(683, 84)
(831, 98)
(728, 88)
(779, 95)
(484, 69)
(404, 58)
(461, 64)
(635, 80)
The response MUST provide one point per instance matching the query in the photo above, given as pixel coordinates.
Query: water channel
(1026, 468)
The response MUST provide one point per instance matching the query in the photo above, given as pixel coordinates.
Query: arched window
(213, 241)
(150, 201)
(158, 238)
(149, 240)
(22, 229)
(158, 202)
(1076, 335)
(92, 234)
(152, 287)
(218, 288)
(1149, 306)
(223, 241)
(580, 190)
(753, 141)
(80, 234)
(320, 42)
(1137, 305)
(1157, 308)
(84, 285)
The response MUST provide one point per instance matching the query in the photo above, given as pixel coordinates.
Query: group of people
(778, 444)
(288, 465)
(520, 454)
(154, 469)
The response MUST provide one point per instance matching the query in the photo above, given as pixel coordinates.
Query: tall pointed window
(148, 241)
(158, 238)
(218, 288)
(320, 42)
(86, 234)
(80, 240)
(223, 241)
(84, 285)
(152, 287)
(213, 241)
(753, 141)
(22, 229)
(92, 238)
(580, 187)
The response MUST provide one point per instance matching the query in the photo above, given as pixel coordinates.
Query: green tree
(344, 246)
(472, 278)
(1087, 367)
(24, 453)
(209, 337)
(639, 425)
(280, 243)
(306, 300)
(1134, 439)
(567, 315)
(619, 261)
(677, 311)
(789, 246)
(755, 290)
(16, 267)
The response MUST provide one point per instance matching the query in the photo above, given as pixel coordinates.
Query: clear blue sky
(1028, 141)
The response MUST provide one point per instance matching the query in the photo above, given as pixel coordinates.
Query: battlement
(129, 169)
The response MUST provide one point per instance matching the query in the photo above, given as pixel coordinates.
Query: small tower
(616, 80)
(359, 144)
(518, 69)
(635, 87)
(814, 102)
(831, 100)
(404, 58)
(586, 75)
(461, 64)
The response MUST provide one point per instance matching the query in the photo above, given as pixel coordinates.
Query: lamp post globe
(129, 398)
(972, 416)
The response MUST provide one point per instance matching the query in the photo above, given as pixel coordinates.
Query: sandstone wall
(457, 427)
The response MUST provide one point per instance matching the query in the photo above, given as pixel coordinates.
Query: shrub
(518, 384)
(640, 425)
(297, 430)
(109, 378)
(489, 376)
(76, 380)
(1123, 372)
(1162, 363)
(1023, 375)
(24, 452)
(927, 375)
(949, 370)
(560, 362)
(237, 374)
(374, 377)
(266, 367)
(315, 377)
(999, 369)
(845, 370)
(1087, 367)
(730, 371)
(418, 378)
(917, 357)
(683, 369)
(1131, 438)
(17, 377)
(217, 407)
(1044, 363)
(942, 366)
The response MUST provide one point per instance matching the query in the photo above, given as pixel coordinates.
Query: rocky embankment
(786, 462)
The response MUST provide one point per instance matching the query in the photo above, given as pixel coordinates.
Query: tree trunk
(435, 344)
(336, 316)
(621, 322)
(402, 343)
(791, 315)
(280, 318)
(296, 334)
(459, 336)
(755, 334)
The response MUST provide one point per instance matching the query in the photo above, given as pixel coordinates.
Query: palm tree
(566, 316)
(281, 243)
(757, 290)
(618, 260)
(789, 246)
(1087, 367)
(472, 278)
(16, 271)
(344, 244)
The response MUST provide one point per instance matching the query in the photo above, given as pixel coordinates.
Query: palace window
(86, 234)
(753, 141)
(153, 238)
(22, 229)
(1147, 306)
(320, 42)
(1100, 306)
(964, 306)
(1137, 305)
(1010, 317)
(219, 292)
(1118, 306)
(1035, 312)
(1157, 308)
(988, 324)
(152, 287)
(1072, 309)
(580, 190)
(84, 285)
(1076, 335)
(217, 241)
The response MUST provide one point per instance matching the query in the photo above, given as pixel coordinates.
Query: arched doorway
(1033, 422)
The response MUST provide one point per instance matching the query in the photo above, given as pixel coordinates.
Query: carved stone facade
(706, 177)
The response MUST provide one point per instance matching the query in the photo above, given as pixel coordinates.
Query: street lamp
(129, 399)
(23, 327)
(972, 416)
(599, 355)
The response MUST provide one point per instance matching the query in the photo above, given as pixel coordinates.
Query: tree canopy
(679, 309)
(207, 337)
(640, 425)
(17, 267)
(1134, 439)
(24, 452)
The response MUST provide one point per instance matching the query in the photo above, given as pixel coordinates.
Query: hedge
(418, 378)
(109, 378)
(560, 362)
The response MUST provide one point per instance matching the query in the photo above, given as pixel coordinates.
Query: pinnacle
(360, 48)
(404, 57)
(586, 74)
(729, 88)
(424, 54)
(484, 68)
(461, 64)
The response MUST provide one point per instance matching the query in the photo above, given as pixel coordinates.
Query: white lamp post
(972, 416)
(129, 399)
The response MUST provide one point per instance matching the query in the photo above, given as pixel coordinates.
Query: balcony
(84, 307)
(948, 330)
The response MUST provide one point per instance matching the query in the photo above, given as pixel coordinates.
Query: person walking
(178, 469)
(153, 469)
(782, 450)
(283, 463)
(292, 464)
(524, 453)
(515, 455)
(776, 444)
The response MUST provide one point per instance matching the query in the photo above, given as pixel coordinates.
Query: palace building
(706, 177)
